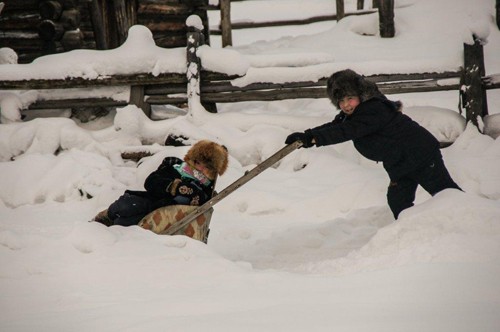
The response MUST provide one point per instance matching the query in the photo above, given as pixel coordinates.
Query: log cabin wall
(34, 28)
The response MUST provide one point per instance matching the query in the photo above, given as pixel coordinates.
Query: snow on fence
(226, 26)
(171, 88)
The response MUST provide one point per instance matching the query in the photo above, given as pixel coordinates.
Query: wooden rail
(171, 88)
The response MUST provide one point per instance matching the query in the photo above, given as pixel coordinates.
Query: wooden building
(38, 27)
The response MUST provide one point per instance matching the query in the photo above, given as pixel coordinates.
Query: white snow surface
(309, 244)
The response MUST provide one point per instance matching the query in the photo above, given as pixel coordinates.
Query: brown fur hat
(214, 156)
(349, 83)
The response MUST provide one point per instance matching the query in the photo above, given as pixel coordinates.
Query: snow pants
(433, 177)
(129, 209)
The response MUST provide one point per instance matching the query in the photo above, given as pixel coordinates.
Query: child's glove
(190, 194)
(306, 138)
(173, 186)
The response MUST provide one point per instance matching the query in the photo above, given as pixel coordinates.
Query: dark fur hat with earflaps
(349, 83)
(214, 156)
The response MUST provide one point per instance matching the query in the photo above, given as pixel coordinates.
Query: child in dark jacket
(187, 182)
(381, 132)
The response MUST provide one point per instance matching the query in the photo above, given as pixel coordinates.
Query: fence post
(498, 13)
(472, 93)
(225, 22)
(193, 61)
(340, 9)
(386, 18)
(137, 98)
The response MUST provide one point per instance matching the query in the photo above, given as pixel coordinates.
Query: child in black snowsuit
(381, 132)
(187, 182)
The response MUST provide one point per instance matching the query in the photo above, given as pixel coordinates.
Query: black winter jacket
(158, 187)
(381, 133)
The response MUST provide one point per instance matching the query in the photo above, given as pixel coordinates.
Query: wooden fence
(385, 8)
(170, 88)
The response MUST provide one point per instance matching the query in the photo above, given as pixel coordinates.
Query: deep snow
(307, 245)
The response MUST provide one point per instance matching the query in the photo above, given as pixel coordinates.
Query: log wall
(38, 27)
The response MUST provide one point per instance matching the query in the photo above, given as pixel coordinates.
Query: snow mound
(451, 227)
(446, 125)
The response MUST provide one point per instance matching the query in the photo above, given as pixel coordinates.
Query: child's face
(348, 104)
(202, 168)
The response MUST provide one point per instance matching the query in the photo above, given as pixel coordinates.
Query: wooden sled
(161, 220)
(193, 221)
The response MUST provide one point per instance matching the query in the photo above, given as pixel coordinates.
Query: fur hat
(214, 156)
(348, 83)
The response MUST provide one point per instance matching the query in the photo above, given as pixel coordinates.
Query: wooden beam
(77, 102)
(78, 82)
(315, 19)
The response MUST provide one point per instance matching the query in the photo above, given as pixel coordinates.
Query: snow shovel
(175, 219)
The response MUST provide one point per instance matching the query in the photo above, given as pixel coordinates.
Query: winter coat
(166, 186)
(383, 134)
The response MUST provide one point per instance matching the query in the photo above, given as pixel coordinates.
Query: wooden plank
(171, 41)
(160, 9)
(69, 103)
(156, 26)
(165, 100)
(315, 19)
(78, 82)
(491, 81)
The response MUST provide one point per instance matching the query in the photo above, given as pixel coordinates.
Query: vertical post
(472, 92)
(361, 4)
(137, 99)
(194, 27)
(340, 9)
(386, 18)
(225, 22)
(98, 25)
(122, 22)
(498, 13)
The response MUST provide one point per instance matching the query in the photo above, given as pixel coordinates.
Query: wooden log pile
(38, 27)
(167, 19)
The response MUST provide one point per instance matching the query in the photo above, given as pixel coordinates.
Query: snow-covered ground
(307, 245)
